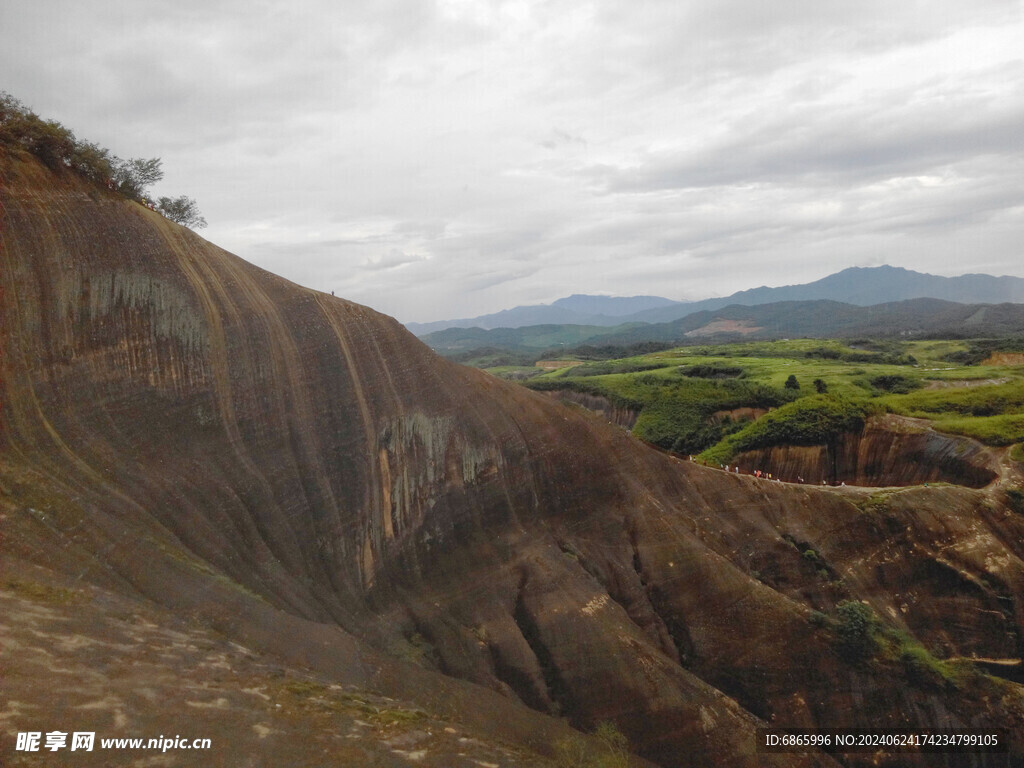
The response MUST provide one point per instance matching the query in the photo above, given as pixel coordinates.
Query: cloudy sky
(448, 158)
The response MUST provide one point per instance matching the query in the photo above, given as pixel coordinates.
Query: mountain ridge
(860, 286)
(821, 318)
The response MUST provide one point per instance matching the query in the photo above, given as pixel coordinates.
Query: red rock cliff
(299, 473)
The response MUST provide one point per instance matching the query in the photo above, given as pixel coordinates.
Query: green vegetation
(58, 148)
(312, 696)
(615, 366)
(182, 210)
(863, 351)
(994, 430)
(712, 400)
(856, 630)
(811, 420)
(976, 351)
(607, 351)
(676, 413)
(577, 752)
(993, 414)
(42, 593)
(712, 371)
(993, 400)
(862, 638)
(895, 383)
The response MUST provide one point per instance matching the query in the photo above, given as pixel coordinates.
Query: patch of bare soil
(554, 365)
(954, 383)
(725, 326)
(1005, 358)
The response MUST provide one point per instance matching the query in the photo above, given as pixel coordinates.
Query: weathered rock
(616, 414)
(890, 451)
(299, 474)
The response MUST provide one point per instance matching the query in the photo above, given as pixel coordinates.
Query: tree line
(57, 147)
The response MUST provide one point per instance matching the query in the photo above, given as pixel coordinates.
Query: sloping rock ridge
(192, 445)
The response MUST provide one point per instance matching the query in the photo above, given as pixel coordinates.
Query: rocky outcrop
(297, 475)
(890, 451)
(616, 414)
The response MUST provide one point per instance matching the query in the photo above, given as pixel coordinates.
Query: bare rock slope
(296, 480)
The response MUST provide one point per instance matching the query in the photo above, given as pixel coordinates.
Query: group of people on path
(760, 474)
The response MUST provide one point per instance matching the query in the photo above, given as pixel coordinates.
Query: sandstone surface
(202, 463)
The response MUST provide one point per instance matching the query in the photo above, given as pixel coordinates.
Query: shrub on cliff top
(813, 420)
(57, 148)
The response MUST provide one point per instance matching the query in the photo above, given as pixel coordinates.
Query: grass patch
(995, 400)
(610, 751)
(681, 394)
(42, 593)
(895, 383)
(313, 696)
(605, 367)
(861, 638)
(992, 430)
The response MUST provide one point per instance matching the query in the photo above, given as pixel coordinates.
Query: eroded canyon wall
(890, 451)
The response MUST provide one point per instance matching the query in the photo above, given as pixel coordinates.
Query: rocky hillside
(282, 515)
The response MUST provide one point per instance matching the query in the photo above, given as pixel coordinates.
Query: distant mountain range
(578, 309)
(859, 286)
(912, 318)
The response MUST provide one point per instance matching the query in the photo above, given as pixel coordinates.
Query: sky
(450, 158)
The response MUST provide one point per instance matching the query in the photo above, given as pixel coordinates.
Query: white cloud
(455, 158)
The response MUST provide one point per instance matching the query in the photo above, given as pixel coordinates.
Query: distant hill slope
(861, 286)
(824, 318)
(813, 319)
(578, 309)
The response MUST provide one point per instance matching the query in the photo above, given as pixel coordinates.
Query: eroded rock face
(618, 415)
(889, 452)
(300, 474)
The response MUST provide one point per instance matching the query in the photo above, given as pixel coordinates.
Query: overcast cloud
(451, 158)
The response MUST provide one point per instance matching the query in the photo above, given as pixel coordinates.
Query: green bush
(895, 383)
(855, 630)
(678, 416)
(813, 420)
(921, 667)
(576, 752)
(712, 371)
(991, 430)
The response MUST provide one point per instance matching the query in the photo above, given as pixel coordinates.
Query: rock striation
(191, 435)
(889, 451)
